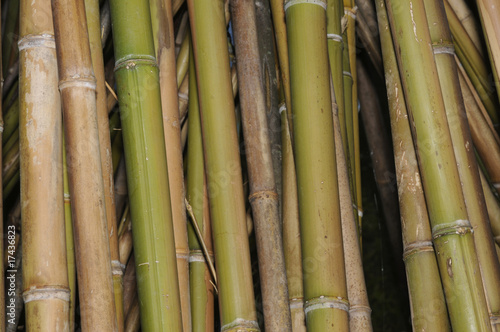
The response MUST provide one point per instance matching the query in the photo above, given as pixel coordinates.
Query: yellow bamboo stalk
(291, 230)
(45, 277)
(93, 26)
(163, 33)
(78, 94)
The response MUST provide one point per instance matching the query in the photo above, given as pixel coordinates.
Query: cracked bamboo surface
(45, 279)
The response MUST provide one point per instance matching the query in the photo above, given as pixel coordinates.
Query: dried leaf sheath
(45, 279)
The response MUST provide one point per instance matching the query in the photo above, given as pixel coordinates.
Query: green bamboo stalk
(493, 207)
(94, 32)
(424, 283)
(222, 162)
(147, 178)
(473, 62)
(8, 187)
(465, 156)
(291, 231)
(45, 279)
(10, 144)
(70, 245)
(11, 121)
(10, 163)
(350, 10)
(484, 137)
(325, 292)
(468, 21)
(164, 39)
(262, 194)
(489, 12)
(346, 127)
(451, 230)
(278, 14)
(77, 84)
(336, 52)
(202, 291)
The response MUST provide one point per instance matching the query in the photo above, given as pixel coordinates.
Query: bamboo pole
(78, 96)
(359, 309)
(278, 14)
(164, 39)
(45, 279)
(94, 31)
(2, 268)
(451, 230)
(493, 207)
(268, 62)
(465, 156)
(222, 162)
(350, 10)
(489, 11)
(469, 22)
(70, 244)
(137, 80)
(202, 291)
(291, 231)
(262, 196)
(325, 292)
(473, 63)
(424, 284)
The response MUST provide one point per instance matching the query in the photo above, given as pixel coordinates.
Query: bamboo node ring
(455, 227)
(263, 194)
(346, 73)
(241, 323)
(416, 247)
(334, 36)
(298, 2)
(45, 293)
(32, 41)
(78, 81)
(133, 61)
(323, 302)
(282, 108)
(444, 49)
